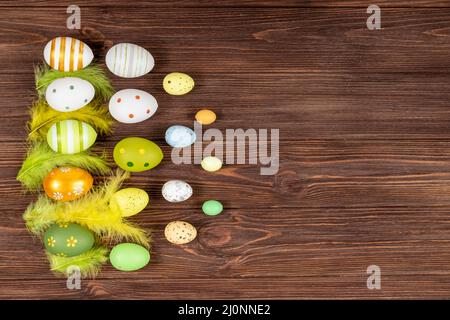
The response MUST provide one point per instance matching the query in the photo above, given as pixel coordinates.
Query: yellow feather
(92, 211)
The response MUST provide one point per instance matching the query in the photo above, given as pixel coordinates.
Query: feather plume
(93, 73)
(41, 160)
(43, 116)
(92, 211)
(88, 262)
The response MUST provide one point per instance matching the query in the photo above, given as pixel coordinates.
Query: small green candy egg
(212, 207)
(129, 257)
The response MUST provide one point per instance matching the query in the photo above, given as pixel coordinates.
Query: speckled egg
(180, 136)
(67, 54)
(68, 239)
(176, 191)
(205, 117)
(180, 232)
(137, 154)
(129, 60)
(211, 164)
(132, 106)
(129, 201)
(177, 83)
(69, 94)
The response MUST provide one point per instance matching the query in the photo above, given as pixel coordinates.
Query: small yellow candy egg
(205, 117)
(177, 83)
(211, 164)
(129, 201)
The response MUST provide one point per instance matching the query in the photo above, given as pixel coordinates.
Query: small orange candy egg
(205, 116)
(67, 183)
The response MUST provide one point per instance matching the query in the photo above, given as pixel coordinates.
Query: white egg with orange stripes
(71, 136)
(128, 60)
(132, 105)
(69, 94)
(67, 54)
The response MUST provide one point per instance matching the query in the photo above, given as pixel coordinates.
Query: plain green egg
(212, 207)
(129, 201)
(137, 154)
(129, 257)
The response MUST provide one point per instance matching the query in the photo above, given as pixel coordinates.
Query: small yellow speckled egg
(177, 83)
(180, 232)
(205, 116)
(129, 201)
(211, 164)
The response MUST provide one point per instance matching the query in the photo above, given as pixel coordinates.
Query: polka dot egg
(132, 106)
(69, 94)
(137, 154)
(177, 83)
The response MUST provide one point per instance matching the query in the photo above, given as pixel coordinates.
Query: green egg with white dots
(137, 154)
(212, 207)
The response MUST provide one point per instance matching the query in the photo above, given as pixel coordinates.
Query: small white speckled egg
(177, 83)
(176, 191)
(180, 136)
(180, 232)
(69, 94)
(132, 106)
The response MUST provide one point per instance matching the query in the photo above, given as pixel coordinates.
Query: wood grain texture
(364, 152)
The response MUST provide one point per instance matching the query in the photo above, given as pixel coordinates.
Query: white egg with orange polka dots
(132, 106)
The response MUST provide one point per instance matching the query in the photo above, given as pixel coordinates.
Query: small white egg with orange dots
(132, 106)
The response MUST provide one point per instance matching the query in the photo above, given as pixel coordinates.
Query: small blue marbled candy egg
(180, 136)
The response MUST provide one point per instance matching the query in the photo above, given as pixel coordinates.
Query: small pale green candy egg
(129, 257)
(212, 207)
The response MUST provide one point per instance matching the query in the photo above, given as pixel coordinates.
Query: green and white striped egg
(71, 136)
(129, 60)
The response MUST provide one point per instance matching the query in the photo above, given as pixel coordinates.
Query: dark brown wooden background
(364, 119)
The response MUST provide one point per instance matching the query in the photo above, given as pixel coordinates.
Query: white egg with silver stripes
(128, 60)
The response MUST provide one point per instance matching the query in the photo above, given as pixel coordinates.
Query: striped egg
(129, 60)
(67, 54)
(71, 136)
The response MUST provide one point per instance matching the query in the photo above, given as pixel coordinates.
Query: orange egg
(205, 116)
(67, 183)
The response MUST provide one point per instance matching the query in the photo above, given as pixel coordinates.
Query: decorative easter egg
(71, 136)
(129, 257)
(180, 136)
(129, 60)
(177, 83)
(137, 154)
(212, 207)
(67, 183)
(68, 239)
(180, 232)
(205, 116)
(69, 94)
(129, 201)
(132, 106)
(211, 164)
(176, 191)
(67, 54)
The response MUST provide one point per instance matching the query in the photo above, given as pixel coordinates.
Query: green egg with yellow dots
(68, 239)
(137, 154)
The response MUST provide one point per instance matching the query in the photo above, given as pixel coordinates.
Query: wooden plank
(234, 3)
(205, 41)
(255, 243)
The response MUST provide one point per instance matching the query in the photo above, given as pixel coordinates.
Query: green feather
(88, 262)
(41, 160)
(93, 73)
(43, 116)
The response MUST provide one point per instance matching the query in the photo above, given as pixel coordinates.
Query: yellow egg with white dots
(129, 201)
(177, 83)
